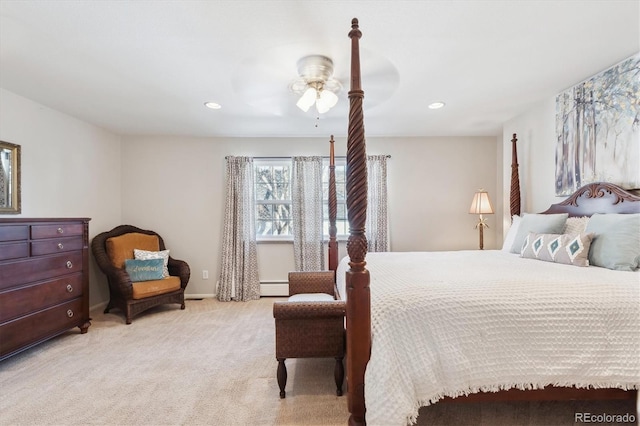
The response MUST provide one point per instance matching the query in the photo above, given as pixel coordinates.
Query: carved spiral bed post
(357, 277)
(515, 180)
(333, 210)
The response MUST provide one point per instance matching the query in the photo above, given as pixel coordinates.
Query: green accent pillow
(617, 241)
(144, 270)
(538, 223)
(570, 249)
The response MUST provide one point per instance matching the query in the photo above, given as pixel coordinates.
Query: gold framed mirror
(9, 178)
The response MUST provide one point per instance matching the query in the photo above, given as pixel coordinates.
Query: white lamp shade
(481, 203)
(307, 99)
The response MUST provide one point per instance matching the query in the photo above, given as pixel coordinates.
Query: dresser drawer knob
(69, 288)
(69, 264)
(60, 231)
(70, 313)
(60, 246)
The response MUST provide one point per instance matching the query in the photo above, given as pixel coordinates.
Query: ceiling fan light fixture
(327, 98)
(307, 99)
(316, 84)
(325, 101)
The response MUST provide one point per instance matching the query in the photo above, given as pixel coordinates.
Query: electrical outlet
(205, 274)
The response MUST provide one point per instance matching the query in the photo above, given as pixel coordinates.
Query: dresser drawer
(56, 231)
(23, 300)
(14, 232)
(39, 268)
(40, 325)
(58, 245)
(14, 250)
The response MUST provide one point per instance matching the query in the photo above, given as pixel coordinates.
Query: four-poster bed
(594, 198)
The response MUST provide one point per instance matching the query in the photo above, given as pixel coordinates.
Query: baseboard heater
(274, 288)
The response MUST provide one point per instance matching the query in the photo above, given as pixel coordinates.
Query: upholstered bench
(310, 324)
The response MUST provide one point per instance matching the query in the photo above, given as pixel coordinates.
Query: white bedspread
(454, 323)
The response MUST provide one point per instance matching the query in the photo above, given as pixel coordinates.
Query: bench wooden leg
(338, 374)
(282, 376)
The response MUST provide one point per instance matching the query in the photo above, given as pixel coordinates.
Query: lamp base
(481, 225)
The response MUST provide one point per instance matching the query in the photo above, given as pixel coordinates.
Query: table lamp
(481, 205)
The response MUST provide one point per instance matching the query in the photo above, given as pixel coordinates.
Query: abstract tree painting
(598, 130)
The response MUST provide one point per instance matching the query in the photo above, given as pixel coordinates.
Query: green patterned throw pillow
(570, 249)
(144, 270)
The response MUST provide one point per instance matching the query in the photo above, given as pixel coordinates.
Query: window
(273, 198)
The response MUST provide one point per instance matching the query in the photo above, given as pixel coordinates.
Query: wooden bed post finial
(515, 180)
(357, 277)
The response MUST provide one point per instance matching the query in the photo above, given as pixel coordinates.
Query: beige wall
(176, 186)
(536, 156)
(69, 169)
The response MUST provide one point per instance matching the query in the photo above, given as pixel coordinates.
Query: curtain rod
(289, 158)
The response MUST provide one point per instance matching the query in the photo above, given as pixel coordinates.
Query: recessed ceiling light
(212, 105)
(436, 105)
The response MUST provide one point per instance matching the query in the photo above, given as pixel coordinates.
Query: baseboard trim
(199, 296)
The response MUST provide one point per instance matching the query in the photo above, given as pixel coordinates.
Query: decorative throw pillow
(145, 255)
(511, 234)
(575, 225)
(144, 270)
(539, 223)
(558, 248)
(617, 241)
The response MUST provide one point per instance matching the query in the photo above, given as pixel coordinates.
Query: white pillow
(146, 255)
(575, 225)
(511, 234)
(540, 224)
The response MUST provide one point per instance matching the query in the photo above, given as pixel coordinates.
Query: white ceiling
(147, 67)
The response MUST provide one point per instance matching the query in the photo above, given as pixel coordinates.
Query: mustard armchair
(111, 250)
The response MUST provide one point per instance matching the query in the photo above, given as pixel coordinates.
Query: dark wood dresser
(44, 280)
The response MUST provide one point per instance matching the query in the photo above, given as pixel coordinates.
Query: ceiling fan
(267, 83)
(316, 84)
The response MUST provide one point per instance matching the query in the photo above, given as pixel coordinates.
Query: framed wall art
(598, 129)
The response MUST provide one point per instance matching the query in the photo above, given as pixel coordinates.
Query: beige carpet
(211, 364)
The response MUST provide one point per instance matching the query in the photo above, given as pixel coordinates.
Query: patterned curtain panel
(239, 276)
(306, 194)
(377, 229)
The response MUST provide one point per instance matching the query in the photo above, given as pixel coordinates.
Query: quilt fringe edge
(413, 417)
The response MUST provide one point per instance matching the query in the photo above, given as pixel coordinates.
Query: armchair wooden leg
(282, 376)
(128, 314)
(339, 375)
